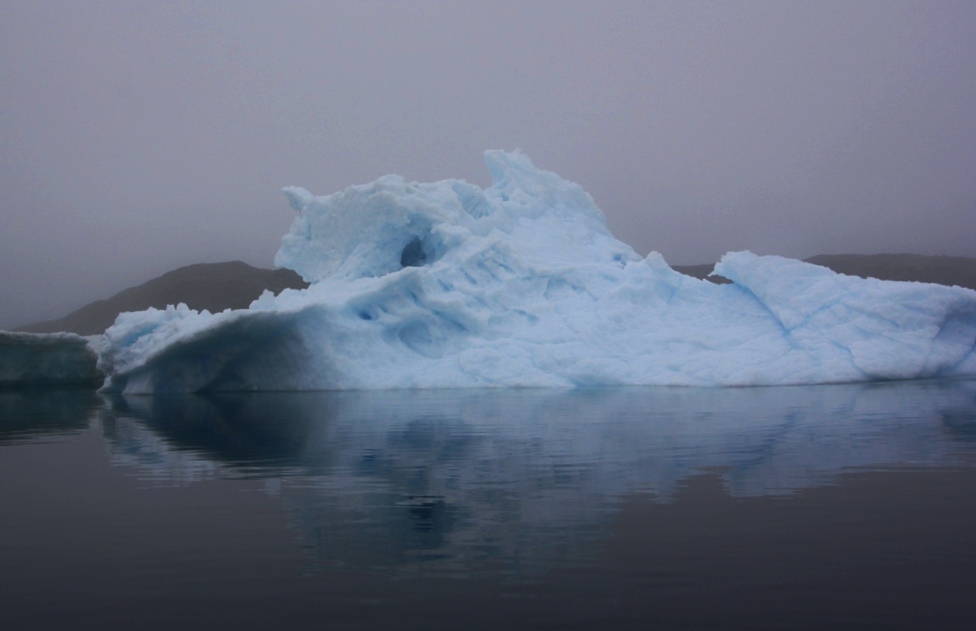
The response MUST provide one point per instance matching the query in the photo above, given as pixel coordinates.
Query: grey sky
(140, 136)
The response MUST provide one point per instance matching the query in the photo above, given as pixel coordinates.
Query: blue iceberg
(32, 360)
(447, 285)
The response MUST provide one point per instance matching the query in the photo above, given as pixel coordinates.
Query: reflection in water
(28, 415)
(513, 481)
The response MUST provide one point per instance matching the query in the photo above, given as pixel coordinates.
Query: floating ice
(49, 359)
(521, 284)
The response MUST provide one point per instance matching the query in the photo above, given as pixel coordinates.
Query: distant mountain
(219, 286)
(211, 286)
(942, 270)
(701, 271)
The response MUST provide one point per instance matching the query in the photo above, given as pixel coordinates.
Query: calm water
(766, 508)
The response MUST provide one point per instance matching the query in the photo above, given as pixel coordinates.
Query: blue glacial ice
(448, 285)
(51, 359)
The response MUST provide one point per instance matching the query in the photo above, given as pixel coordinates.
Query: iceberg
(521, 284)
(30, 360)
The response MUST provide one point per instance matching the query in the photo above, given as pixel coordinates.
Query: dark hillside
(211, 286)
(942, 270)
(700, 271)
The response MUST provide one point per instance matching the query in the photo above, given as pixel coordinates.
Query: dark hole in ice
(413, 254)
(365, 315)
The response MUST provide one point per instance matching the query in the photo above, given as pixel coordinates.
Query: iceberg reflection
(456, 480)
(30, 415)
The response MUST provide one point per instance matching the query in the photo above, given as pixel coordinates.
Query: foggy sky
(138, 136)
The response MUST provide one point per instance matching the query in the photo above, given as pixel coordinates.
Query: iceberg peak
(370, 230)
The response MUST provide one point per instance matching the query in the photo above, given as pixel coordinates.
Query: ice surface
(521, 284)
(47, 359)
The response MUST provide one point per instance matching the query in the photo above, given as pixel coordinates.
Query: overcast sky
(140, 136)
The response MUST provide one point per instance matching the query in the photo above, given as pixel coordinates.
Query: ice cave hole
(413, 254)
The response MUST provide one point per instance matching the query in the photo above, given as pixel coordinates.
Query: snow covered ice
(521, 284)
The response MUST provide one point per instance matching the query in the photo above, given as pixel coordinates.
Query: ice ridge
(445, 284)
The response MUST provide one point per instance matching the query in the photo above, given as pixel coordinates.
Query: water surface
(848, 506)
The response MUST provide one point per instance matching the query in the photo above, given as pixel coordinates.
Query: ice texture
(47, 359)
(448, 285)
